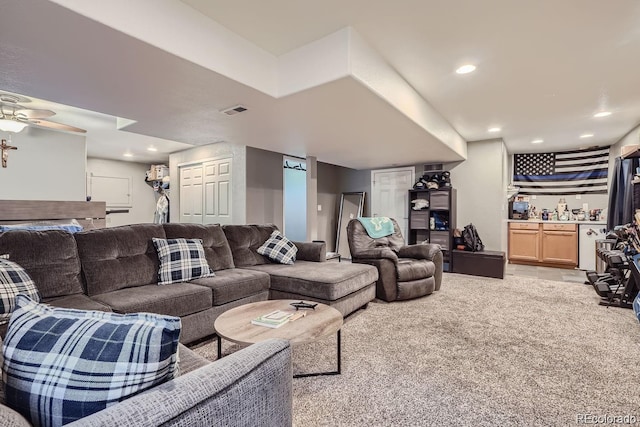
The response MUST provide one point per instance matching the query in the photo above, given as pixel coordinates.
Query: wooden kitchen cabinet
(543, 244)
(560, 244)
(524, 242)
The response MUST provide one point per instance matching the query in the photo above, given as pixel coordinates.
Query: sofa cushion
(319, 280)
(278, 248)
(181, 260)
(119, 257)
(14, 280)
(49, 257)
(413, 269)
(234, 284)
(215, 244)
(62, 364)
(244, 241)
(178, 300)
(79, 301)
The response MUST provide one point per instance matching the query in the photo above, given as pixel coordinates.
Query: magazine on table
(276, 318)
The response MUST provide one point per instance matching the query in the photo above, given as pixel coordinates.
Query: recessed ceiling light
(537, 141)
(586, 135)
(152, 149)
(493, 130)
(602, 114)
(465, 69)
(128, 155)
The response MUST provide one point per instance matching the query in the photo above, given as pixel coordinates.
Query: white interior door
(217, 192)
(191, 194)
(389, 194)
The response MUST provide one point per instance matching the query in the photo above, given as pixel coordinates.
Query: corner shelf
(423, 226)
(633, 153)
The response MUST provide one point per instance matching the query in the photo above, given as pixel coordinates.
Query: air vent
(434, 167)
(234, 110)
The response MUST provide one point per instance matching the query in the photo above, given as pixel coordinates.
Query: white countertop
(537, 221)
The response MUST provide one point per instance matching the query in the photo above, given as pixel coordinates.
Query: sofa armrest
(311, 251)
(376, 253)
(251, 387)
(429, 251)
(419, 251)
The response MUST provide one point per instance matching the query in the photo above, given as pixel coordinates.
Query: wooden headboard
(88, 214)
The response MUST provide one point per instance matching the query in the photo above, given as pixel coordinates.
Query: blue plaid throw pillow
(61, 365)
(14, 280)
(181, 260)
(636, 306)
(279, 249)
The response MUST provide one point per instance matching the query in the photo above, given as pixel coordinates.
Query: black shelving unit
(435, 223)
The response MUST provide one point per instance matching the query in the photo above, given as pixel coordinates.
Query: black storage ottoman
(483, 263)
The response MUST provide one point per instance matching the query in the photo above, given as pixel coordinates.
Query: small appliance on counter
(518, 209)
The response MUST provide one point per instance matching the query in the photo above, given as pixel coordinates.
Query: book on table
(275, 319)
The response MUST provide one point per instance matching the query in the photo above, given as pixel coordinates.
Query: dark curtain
(621, 193)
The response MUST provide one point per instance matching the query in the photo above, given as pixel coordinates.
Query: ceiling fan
(14, 117)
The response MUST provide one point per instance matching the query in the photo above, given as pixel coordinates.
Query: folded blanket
(72, 226)
(376, 227)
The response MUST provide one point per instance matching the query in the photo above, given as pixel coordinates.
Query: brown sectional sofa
(116, 269)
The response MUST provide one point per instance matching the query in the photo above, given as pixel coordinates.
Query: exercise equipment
(618, 285)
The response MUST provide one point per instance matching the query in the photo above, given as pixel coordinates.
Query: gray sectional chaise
(116, 269)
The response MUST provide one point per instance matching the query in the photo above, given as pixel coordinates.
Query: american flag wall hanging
(569, 172)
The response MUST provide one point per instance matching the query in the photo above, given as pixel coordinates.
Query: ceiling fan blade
(54, 125)
(28, 113)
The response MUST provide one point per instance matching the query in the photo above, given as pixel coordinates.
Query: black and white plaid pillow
(14, 280)
(279, 249)
(181, 260)
(64, 364)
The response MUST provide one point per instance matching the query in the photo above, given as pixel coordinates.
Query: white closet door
(217, 192)
(191, 194)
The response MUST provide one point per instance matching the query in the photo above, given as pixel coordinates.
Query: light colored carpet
(481, 352)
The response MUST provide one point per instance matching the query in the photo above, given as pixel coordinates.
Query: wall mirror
(351, 206)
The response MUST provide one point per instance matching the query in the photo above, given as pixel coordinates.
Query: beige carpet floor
(481, 352)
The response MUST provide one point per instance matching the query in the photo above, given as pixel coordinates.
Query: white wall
(481, 197)
(46, 166)
(213, 151)
(143, 197)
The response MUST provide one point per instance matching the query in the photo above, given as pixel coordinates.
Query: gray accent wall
(265, 194)
(357, 180)
(264, 187)
(329, 200)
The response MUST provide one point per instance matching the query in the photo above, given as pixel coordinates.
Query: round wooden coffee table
(235, 325)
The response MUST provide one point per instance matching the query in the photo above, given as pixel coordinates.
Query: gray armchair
(405, 271)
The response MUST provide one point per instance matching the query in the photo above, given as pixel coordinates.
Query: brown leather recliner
(405, 271)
